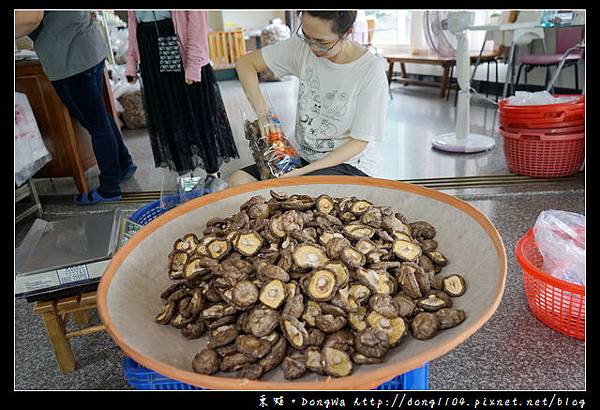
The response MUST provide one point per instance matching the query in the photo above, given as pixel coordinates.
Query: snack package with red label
(273, 154)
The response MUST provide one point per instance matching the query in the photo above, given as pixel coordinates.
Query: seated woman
(342, 98)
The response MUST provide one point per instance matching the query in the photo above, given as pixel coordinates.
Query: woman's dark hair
(342, 20)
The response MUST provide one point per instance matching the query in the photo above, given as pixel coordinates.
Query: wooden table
(55, 313)
(430, 59)
(68, 142)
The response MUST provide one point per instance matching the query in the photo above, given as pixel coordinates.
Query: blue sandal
(93, 197)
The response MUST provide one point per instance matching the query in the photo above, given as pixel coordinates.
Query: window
(392, 27)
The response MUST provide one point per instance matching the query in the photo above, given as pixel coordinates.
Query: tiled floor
(416, 115)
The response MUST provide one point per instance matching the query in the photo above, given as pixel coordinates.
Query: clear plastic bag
(274, 155)
(560, 238)
(538, 98)
(31, 153)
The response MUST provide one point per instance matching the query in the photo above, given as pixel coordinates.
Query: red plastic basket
(555, 302)
(542, 155)
(542, 116)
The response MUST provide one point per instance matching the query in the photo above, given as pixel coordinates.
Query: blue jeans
(82, 94)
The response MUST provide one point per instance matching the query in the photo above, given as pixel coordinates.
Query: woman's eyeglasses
(316, 45)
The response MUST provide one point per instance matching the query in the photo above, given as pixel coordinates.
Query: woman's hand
(189, 82)
(266, 126)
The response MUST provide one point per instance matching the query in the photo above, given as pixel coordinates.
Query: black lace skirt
(187, 124)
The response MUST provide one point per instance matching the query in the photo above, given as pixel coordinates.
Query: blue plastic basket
(141, 378)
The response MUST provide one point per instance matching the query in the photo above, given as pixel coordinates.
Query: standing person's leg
(84, 100)
(128, 168)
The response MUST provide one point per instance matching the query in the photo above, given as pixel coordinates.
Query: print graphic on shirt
(335, 102)
(328, 129)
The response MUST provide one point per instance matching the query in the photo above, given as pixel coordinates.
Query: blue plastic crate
(141, 378)
(153, 210)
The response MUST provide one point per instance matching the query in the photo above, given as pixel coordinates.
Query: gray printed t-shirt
(68, 43)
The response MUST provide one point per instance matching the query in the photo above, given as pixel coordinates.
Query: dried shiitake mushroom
(405, 306)
(294, 365)
(295, 306)
(179, 321)
(344, 300)
(167, 313)
(194, 330)
(314, 361)
(329, 323)
(425, 325)
(395, 328)
(262, 321)
(365, 246)
(334, 247)
(426, 263)
(248, 243)
(454, 285)
(273, 294)
(408, 281)
(244, 294)
(207, 361)
(312, 311)
(234, 362)
(450, 317)
(384, 305)
(358, 319)
(422, 230)
(437, 258)
(326, 236)
(371, 343)
(193, 268)
(360, 207)
(218, 248)
(313, 284)
(376, 281)
(357, 232)
(294, 331)
(336, 362)
(222, 336)
(360, 358)
(359, 292)
(392, 224)
(322, 285)
(177, 263)
(195, 304)
(252, 346)
(251, 371)
(275, 356)
(406, 251)
(341, 273)
(310, 256)
(352, 258)
(324, 204)
(432, 303)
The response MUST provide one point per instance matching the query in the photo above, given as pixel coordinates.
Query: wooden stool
(54, 314)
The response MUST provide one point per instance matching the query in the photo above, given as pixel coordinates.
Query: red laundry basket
(542, 155)
(555, 302)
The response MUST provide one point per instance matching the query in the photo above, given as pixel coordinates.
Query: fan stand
(462, 140)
